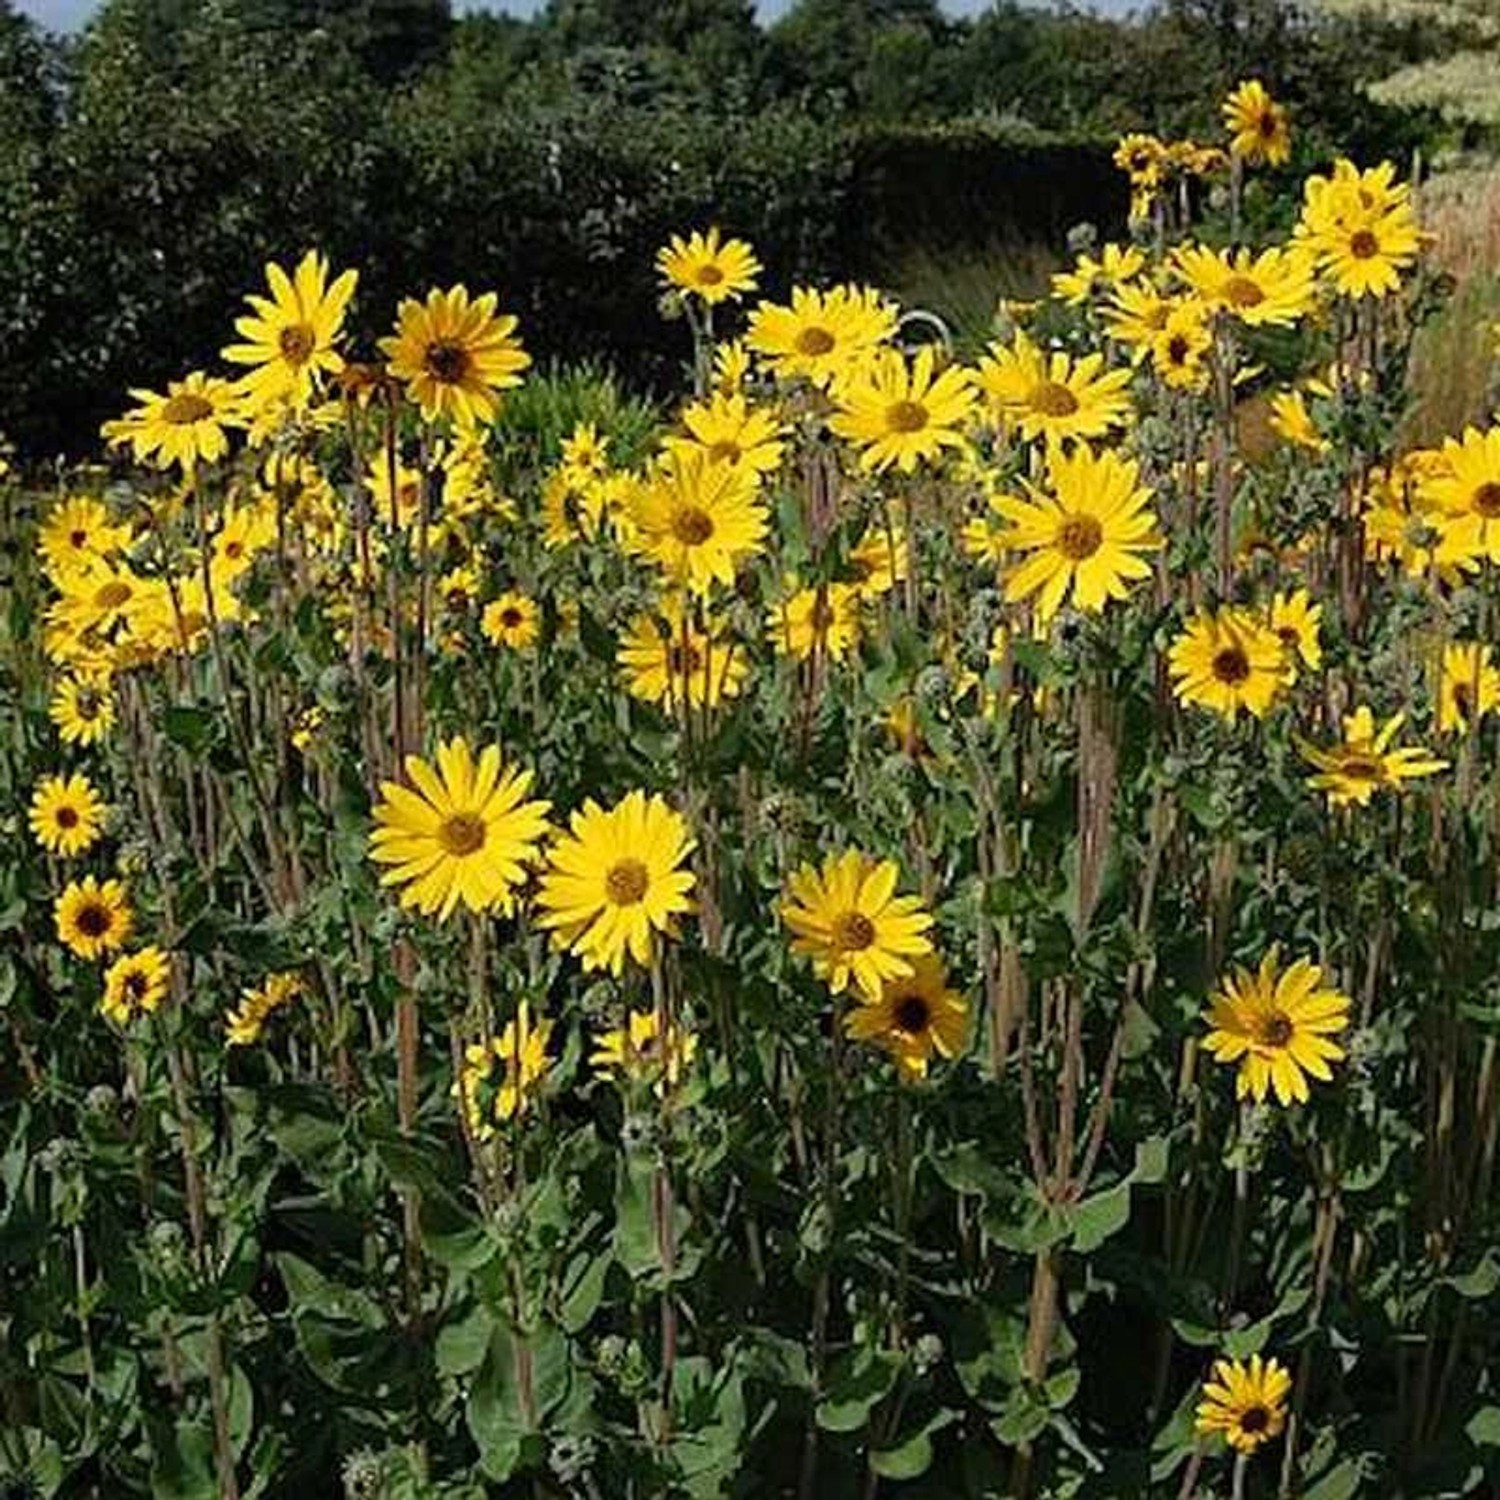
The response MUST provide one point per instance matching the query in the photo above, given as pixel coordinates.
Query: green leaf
(913, 1458)
(583, 1290)
(1341, 1483)
(190, 728)
(462, 1344)
(1480, 1282)
(1100, 1216)
(1483, 1428)
(864, 1379)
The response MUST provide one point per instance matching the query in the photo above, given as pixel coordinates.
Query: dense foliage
(148, 168)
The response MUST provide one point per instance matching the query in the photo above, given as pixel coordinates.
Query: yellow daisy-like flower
(699, 521)
(1277, 1026)
(1398, 523)
(67, 814)
(244, 1024)
(188, 425)
(290, 336)
(455, 355)
(1362, 228)
(1462, 494)
(823, 618)
(1245, 1402)
(1178, 351)
(1226, 662)
(616, 881)
(728, 430)
(1090, 279)
(708, 266)
(83, 709)
(665, 658)
(878, 560)
(1468, 688)
(1291, 421)
(914, 1018)
(1365, 762)
(513, 620)
(135, 985)
(820, 334)
(731, 367)
(1295, 620)
(1258, 127)
(645, 1051)
(1086, 532)
(78, 534)
(902, 413)
(465, 834)
(1272, 289)
(1052, 396)
(848, 919)
(501, 1077)
(1136, 314)
(1141, 158)
(93, 919)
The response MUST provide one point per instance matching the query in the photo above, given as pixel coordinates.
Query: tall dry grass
(1453, 364)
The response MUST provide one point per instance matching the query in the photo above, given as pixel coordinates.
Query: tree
(1457, 69)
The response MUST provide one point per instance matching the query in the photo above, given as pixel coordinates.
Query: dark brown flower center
(853, 931)
(709, 275)
(93, 919)
(1255, 1419)
(296, 343)
(67, 817)
(1079, 537)
(725, 452)
(682, 660)
(1361, 765)
(692, 526)
(511, 617)
(136, 985)
(1364, 245)
(447, 361)
(113, 594)
(462, 833)
(185, 408)
(1487, 500)
(1178, 349)
(1053, 399)
(906, 416)
(627, 882)
(1231, 666)
(1241, 291)
(78, 538)
(814, 341)
(913, 1015)
(1274, 1030)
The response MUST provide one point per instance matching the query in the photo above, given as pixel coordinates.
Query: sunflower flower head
(1246, 1402)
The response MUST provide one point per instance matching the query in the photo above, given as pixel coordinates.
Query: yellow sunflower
(1362, 228)
(1292, 422)
(244, 1024)
(878, 560)
(1090, 279)
(1468, 687)
(1272, 289)
(455, 355)
(1365, 762)
(93, 919)
(83, 708)
(1136, 314)
(290, 337)
(135, 985)
(1141, 158)
(728, 430)
(616, 881)
(820, 334)
(823, 618)
(698, 521)
(1053, 396)
(1462, 495)
(665, 658)
(1086, 532)
(1245, 1402)
(645, 1051)
(501, 1077)
(1258, 127)
(1277, 1026)
(1178, 351)
(848, 919)
(188, 425)
(466, 833)
(1226, 662)
(902, 413)
(915, 1017)
(1295, 620)
(77, 534)
(708, 266)
(512, 620)
(67, 814)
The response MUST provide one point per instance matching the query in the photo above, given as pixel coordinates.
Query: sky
(65, 15)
